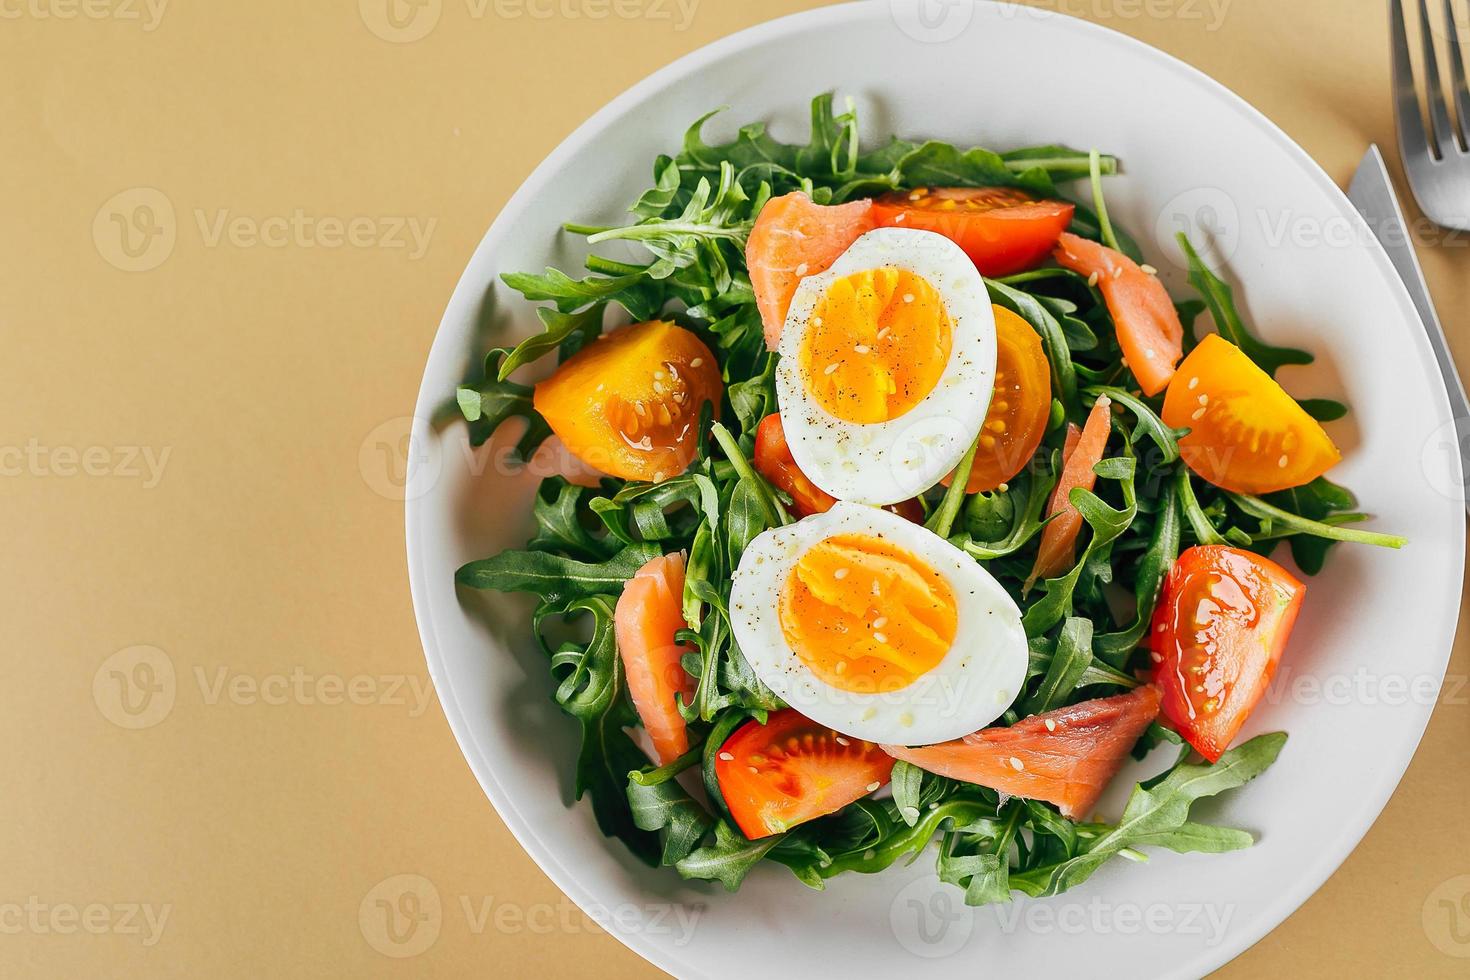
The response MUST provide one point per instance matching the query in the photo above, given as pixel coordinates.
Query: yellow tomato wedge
(628, 404)
(1246, 433)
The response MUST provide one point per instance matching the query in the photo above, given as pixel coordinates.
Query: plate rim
(1277, 909)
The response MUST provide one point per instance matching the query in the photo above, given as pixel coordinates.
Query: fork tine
(1439, 114)
(1413, 141)
(1457, 75)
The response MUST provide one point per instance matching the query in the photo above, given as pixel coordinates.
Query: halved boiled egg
(887, 366)
(877, 627)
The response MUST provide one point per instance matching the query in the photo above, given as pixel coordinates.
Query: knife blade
(1372, 194)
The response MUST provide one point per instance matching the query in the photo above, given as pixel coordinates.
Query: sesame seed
(1198, 414)
(880, 637)
(1004, 487)
(1149, 269)
(862, 349)
(658, 388)
(1118, 272)
(638, 407)
(841, 667)
(880, 622)
(884, 332)
(1156, 657)
(1204, 399)
(754, 770)
(1282, 461)
(1017, 764)
(872, 787)
(1051, 726)
(726, 757)
(908, 297)
(697, 362)
(1149, 354)
(909, 813)
(816, 321)
(658, 375)
(658, 477)
(801, 269)
(1193, 383)
(842, 741)
(830, 369)
(1092, 279)
(840, 574)
(602, 387)
(900, 219)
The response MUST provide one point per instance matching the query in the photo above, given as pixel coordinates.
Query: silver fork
(1438, 168)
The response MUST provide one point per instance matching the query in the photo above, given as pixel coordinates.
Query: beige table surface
(196, 503)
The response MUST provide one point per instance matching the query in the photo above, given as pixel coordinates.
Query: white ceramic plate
(1368, 654)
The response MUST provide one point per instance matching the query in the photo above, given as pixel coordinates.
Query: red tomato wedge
(1222, 623)
(1002, 229)
(1058, 549)
(1245, 432)
(648, 614)
(1066, 756)
(1148, 326)
(794, 238)
(774, 461)
(791, 770)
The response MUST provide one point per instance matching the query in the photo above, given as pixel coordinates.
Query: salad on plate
(904, 505)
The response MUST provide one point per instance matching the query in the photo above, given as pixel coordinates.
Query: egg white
(975, 682)
(886, 462)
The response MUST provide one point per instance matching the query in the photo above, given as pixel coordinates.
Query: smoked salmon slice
(1058, 551)
(1149, 330)
(1067, 756)
(648, 614)
(795, 237)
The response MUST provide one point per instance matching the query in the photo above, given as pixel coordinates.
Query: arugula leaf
(560, 327)
(665, 807)
(729, 859)
(1153, 814)
(590, 690)
(1296, 524)
(1153, 569)
(1220, 299)
(556, 577)
(907, 781)
(1069, 663)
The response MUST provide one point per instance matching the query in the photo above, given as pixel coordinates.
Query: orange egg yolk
(867, 616)
(876, 345)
